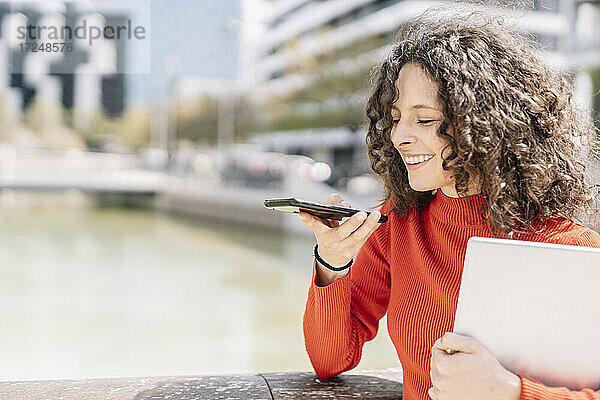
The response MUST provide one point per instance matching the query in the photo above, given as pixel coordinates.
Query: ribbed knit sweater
(411, 268)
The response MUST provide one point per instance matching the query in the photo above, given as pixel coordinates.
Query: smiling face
(418, 114)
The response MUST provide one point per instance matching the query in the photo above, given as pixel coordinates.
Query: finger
(444, 352)
(442, 365)
(436, 355)
(432, 392)
(316, 224)
(458, 343)
(351, 224)
(368, 227)
(437, 346)
(434, 372)
(308, 220)
(441, 361)
(334, 199)
(332, 223)
(304, 218)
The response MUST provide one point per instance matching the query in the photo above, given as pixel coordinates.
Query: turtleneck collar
(457, 210)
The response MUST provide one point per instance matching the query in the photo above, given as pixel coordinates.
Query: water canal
(93, 291)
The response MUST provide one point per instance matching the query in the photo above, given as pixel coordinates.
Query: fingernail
(361, 215)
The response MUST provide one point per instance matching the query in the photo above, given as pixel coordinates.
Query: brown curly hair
(514, 117)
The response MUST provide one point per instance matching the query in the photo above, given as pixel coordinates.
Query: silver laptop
(536, 307)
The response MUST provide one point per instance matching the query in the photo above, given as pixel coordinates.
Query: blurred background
(133, 169)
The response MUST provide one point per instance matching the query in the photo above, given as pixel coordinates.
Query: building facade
(316, 57)
(77, 76)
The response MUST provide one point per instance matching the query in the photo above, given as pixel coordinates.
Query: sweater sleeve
(340, 317)
(533, 390)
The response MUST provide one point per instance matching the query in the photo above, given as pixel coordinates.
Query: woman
(471, 135)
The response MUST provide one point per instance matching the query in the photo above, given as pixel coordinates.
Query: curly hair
(515, 120)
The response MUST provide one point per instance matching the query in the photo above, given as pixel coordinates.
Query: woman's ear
(451, 129)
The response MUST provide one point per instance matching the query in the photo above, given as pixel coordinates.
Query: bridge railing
(18, 161)
(383, 384)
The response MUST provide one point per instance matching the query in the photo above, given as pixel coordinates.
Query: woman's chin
(422, 187)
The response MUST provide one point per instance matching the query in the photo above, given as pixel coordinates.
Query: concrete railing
(383, 384)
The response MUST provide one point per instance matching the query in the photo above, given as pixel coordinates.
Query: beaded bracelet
(337, 269)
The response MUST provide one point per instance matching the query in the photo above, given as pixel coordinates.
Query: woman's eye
(425, 121)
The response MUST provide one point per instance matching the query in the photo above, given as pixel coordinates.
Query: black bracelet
(337, 269)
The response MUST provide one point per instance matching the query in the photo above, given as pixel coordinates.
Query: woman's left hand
(470, 373)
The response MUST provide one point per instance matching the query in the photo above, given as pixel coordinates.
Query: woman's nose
(401, 135)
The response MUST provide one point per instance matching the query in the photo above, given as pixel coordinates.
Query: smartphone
(323, 211)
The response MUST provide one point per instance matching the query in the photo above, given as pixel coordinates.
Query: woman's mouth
(418, 164)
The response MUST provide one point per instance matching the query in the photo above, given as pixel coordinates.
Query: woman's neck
(473, 188)
(451, 192)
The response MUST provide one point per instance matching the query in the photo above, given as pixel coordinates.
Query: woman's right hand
(339, 243)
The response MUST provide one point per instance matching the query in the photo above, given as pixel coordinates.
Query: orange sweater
(411, 268)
